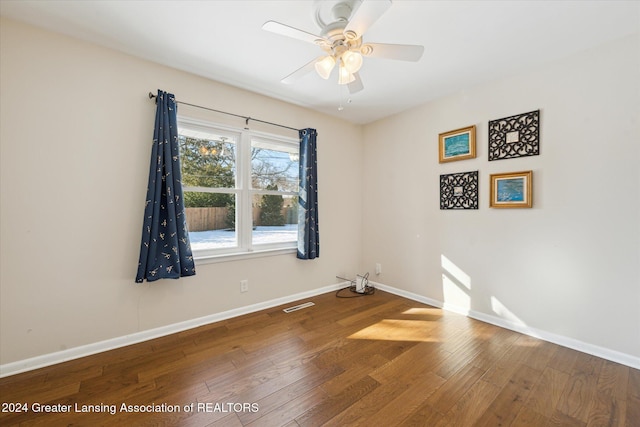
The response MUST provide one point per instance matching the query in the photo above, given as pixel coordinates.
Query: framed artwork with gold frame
(511, 190)
(459, 144)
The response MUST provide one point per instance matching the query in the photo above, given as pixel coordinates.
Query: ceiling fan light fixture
(352, 61)
(325, 66)
(344, 76)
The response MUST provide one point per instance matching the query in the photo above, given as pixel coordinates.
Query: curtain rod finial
(151, 95)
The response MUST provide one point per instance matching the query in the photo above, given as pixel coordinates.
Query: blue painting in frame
(459, 144)
(512, 190)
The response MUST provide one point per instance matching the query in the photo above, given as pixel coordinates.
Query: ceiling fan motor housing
(340, 43)
(329, 12)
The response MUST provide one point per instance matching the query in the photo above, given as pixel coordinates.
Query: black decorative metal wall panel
(515, 136)
(459, 190)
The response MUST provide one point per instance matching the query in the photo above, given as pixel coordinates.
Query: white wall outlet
(378, 268)
(244, 285)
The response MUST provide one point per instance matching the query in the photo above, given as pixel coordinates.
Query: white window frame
(243, 191)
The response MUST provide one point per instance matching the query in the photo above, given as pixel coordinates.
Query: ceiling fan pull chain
(342, 89)
(340, 92)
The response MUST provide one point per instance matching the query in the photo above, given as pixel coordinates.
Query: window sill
(212, 259)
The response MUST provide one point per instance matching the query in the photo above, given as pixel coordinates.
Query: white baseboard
(605, 353)
(110, 344)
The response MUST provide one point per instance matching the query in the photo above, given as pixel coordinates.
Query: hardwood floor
(379, 360)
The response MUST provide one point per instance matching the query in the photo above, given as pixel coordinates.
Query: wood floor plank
(559, 419)
(290, 410)
(504, 368)
(342, 350)
(349, 376)
(579, 394)
(607, 411)
(547, 392)
(527, 417)
(612, 376)
(274, 383)
(379, 360)
(404, 404)
(425, 415)
(333, 405)
(609, 407)
(471, 405)
(287, 393)
(238, 381)
(633, 388)
(230, 420)
(577, 397)
(495, 346)
(362, 411)
(370, 410)
(540, 354)
(184, 376)
(365, 316)
(633, 411)
(405, 366)
(451, 391)
(563, 360)
(448, 366)
(505, 407)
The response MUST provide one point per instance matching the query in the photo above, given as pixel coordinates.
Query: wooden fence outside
(204, 219)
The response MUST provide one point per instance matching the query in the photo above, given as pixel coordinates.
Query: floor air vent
(298, 307)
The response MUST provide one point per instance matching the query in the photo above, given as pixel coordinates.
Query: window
(240, 189)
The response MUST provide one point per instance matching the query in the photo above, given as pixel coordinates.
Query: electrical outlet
(244, 285)
(378, 268)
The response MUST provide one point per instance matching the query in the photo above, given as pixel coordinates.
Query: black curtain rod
(246, 118)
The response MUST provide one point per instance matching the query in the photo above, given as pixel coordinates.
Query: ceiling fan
(342, 25)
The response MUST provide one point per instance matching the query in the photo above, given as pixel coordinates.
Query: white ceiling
(466, 43)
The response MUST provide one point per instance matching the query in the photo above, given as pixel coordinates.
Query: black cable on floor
(368, 290)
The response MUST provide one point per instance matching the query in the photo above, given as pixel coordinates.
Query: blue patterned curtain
(165, 252)
(308, 235)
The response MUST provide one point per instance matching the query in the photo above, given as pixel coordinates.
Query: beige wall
(569, 267)
(76, 128)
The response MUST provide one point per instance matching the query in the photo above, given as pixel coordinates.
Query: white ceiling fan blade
(367, 13)
(302, 71)
(402, 52)
(288, 31)
(356, 85)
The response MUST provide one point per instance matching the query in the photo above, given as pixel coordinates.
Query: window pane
(274, 167)
(207, 159)
(211, 219)
(275, 219)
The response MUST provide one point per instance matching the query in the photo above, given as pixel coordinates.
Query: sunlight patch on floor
(398, 330)
(424, 311)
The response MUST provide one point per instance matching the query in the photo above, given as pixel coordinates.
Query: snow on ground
(227, 238)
